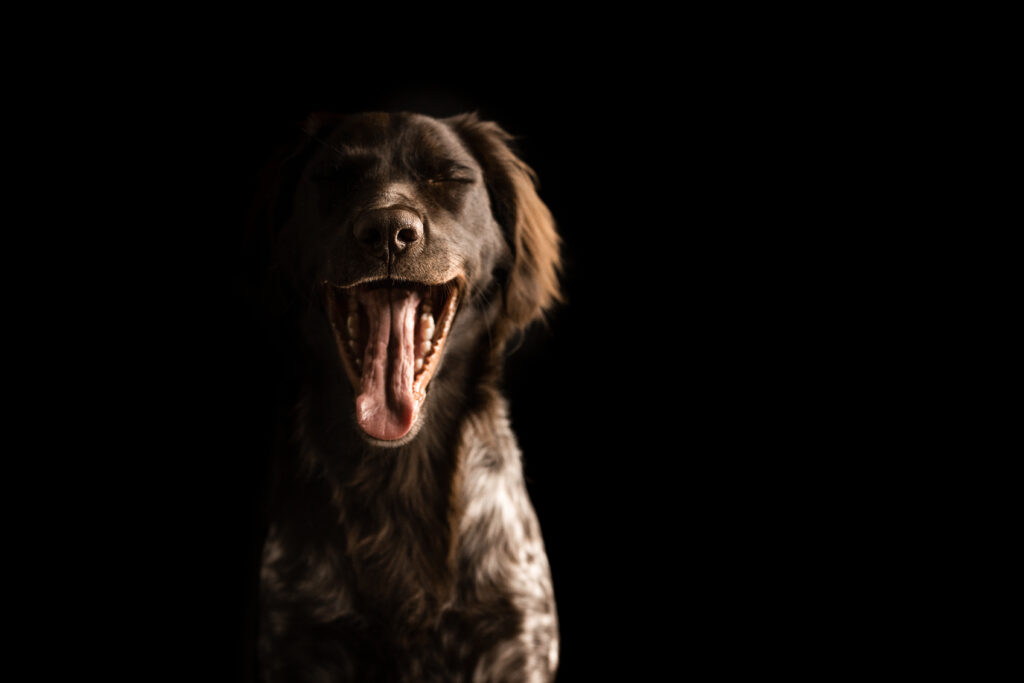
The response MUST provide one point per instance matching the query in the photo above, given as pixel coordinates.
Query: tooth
(426, 346)
(426, 326)
(353, 324)
(426, 306)
(419, 364)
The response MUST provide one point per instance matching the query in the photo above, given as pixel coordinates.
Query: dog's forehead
(394, 135)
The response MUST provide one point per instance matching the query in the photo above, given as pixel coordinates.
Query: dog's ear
(532, 284)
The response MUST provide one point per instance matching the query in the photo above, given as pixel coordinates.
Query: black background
(654, 411)
(714, 426)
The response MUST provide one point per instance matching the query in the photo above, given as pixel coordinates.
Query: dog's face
(415, 231)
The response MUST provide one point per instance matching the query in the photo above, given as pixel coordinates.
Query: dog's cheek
(490, 263)
(491, 250)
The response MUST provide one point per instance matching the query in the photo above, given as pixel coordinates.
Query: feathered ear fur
(532, 286)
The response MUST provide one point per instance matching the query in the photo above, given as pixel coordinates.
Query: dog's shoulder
(505, 592)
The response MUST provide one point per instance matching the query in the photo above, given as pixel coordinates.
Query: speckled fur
(423, 562)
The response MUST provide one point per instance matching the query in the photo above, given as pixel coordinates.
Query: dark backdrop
(652, 410)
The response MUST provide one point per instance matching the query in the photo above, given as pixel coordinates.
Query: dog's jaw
(391, 336)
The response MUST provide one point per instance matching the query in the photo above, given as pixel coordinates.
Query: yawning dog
(402, 543)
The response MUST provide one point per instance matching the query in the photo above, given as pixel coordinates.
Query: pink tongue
(385, 407)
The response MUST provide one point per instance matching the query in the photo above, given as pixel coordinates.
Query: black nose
(389, 230)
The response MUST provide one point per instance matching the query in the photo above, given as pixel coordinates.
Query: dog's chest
(462, 572)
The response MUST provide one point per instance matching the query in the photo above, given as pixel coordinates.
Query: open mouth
(390, 336)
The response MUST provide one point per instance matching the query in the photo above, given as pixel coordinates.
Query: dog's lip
(348, 319)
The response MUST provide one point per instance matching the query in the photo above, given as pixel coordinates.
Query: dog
(402, 546)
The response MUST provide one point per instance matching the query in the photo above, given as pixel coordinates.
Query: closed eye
(452, 179)
(453, 173)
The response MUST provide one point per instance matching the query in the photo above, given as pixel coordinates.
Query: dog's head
(416, 235)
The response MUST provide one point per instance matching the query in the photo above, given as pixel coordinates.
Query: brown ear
(532, 285)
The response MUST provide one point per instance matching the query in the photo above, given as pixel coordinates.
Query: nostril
(406, 228)
(407, 235)
(369, 232)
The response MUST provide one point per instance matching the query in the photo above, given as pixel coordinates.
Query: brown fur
(421, 561)
(533, 283)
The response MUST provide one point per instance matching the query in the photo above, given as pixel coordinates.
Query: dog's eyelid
(465, 180)
(453, 171)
